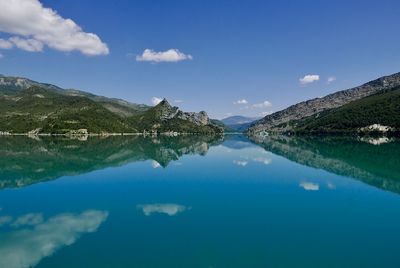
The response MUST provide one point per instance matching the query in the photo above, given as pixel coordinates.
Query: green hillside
(49, 111)
(40, 108)
(382, 108)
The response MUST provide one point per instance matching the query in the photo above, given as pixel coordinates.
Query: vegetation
(46, 110)
(382, 108)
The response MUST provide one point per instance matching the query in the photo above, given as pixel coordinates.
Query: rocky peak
(167, 111)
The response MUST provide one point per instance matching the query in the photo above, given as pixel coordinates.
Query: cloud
(43, 26)
(242, 101)
(241, 163)
(265, 113)
(309, 186)
(331, 79)
(264, 104)
(155, 100)
(310, 78)
(171, 55)
(27, 247)
(30, 45)
(5, 44)
(178, 101)
(169, 209)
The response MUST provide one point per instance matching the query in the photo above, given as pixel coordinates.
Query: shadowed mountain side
(27, 161)
(377, 165)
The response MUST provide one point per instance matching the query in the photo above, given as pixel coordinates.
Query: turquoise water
(199, 202)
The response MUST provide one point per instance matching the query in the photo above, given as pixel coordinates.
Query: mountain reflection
(37, 238)
(25, 161)
(372, 161)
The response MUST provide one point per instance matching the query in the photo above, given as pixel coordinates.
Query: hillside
(43, 110)
(27, 106)
(10, 85)
(280, 121)
(382, 108)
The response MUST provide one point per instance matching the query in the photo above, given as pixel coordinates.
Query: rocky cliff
(278, 122)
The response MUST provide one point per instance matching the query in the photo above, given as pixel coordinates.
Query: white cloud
(29, 19)
(331, 79)
(171, 55)
(178, 101)
(309, 186)
(241, 163)
(310, 78)
(5, 44)
(264, 104)
(31, 45)
(169, 209)
(156, 100)
(242, 101)
(265, 113)
(26, 247)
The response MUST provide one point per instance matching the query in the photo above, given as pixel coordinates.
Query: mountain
(221, 124)
(238, 122)
(40, 110)
(31, 107)
(378, 112)
(166, 118)
(282, 121)
(10, 85)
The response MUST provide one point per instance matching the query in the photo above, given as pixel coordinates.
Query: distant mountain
(221, 124)
(238, 122)
(31, 107)
(283, 121)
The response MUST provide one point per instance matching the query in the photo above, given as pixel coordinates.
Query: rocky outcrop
(168, 112)
(279, 121)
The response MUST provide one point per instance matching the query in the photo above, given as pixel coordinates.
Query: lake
(199, 202)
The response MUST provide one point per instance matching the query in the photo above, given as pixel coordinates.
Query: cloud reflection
(169, 209)
(26, 247)
(309, 186)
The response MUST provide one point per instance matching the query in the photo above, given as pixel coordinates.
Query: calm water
(199, 202)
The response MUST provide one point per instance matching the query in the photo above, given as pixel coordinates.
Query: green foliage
(382, 108)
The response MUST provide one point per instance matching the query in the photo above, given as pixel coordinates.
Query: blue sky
(255, 51)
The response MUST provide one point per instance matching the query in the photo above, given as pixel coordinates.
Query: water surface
(199, 202)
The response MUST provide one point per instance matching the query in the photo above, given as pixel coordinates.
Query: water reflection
(25, 161)
(168, 209)
(376, 162)
(36, 238)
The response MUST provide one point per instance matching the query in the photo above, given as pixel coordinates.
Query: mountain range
(28, 106)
